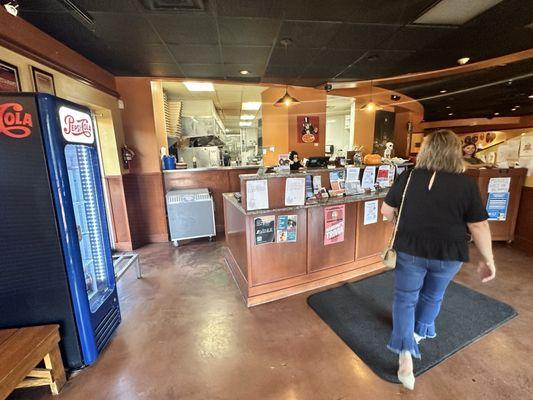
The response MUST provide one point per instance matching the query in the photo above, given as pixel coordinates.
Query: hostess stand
(191, 214)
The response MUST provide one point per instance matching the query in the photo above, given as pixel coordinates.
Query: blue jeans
(419, 286)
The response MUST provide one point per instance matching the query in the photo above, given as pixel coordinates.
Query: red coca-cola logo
(14, 122)
(77, 127)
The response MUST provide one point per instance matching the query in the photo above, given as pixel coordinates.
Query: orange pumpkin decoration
(372, 159)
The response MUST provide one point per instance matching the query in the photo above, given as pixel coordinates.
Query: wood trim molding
(478, 122)
(461, 69)
(28, 41)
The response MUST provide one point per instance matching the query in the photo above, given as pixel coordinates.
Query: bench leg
(53, 362)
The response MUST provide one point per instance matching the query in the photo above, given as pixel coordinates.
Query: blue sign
(497, 204)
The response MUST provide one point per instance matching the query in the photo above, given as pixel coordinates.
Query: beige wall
(68, 88)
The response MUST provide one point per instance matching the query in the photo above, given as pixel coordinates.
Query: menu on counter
(371, 212)
(264, 229)
(369, 177)
(256, 194)
(286, 232)
(526, 146)
(499, 185)
(497, 204)
(295, 191)
(353, 183)
(334, 224)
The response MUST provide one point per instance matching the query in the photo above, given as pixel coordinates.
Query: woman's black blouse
(433, 222)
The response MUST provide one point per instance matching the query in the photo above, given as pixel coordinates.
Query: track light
(12, 7)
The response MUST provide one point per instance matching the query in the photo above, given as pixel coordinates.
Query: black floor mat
(360, 313)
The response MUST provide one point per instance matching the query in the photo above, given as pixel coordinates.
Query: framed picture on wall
(307, 128)
(43, 82)
(9, 78)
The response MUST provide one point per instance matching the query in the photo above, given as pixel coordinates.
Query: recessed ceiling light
(463, 60)
(513, 109)
(245, 123)
(443, 91)
(247, 116)
(450, 114)
(448, 107)
(516, 107)
(530, 96)
(455, 12)
(244, 72)
(199, 86)
(251, 105)
(496, 113)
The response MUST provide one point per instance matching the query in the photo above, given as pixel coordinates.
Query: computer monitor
(317, 162)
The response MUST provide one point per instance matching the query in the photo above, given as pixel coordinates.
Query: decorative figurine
(387, 154)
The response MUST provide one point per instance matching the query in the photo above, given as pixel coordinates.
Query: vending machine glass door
(80, 160)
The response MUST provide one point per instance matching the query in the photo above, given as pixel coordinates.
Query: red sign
(14, 122)
(334, 224)
(77, 127)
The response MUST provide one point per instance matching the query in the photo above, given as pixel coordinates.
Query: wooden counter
(218, 180)
(501, 230)
(271, 271)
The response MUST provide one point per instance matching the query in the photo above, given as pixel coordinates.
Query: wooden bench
(21, 350)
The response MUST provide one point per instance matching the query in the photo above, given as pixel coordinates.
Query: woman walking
(440, 203)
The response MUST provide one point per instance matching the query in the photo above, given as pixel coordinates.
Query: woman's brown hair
(441, 151)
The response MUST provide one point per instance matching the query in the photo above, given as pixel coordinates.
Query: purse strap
(397, 223)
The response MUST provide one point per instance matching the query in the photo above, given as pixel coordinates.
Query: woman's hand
(486, 270)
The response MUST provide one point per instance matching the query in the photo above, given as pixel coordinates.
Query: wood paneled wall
(119, 213)
(524, 223)
(146, 208)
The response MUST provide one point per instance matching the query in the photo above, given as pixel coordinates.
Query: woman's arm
(388, 211)
(481, 235)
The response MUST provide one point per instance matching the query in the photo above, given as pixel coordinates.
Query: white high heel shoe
(407, 380)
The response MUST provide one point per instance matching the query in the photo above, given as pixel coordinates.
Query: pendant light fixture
(286, 99)
(370, 106)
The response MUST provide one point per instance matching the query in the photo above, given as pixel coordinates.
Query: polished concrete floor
(186, 334)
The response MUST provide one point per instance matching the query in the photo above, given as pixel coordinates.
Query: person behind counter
(440, 204)
(294, 161)
(469, 155)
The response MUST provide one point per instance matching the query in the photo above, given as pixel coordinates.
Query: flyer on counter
(499, 185)
(334, 224)
(286, 232)
(383, 176)
(336, 180)
(256, 194)
(317, 183)
(497, 204)
(352, 174)
(369, 177)
(295, 191)
(264, 229)
(371, 212)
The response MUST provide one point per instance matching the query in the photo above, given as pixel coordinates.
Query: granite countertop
(317, 203)
(292, 174)
(167, 171)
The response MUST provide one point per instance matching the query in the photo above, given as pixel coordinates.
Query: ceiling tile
(214, 71)
(418, 37)
(384, 65)
(246, 54)
(248, 31)
(293, 56)
(250, 8)
(117, 6)
(132, 29)
(351, 36)
(196, 54)
(308, 34)
(185, 29)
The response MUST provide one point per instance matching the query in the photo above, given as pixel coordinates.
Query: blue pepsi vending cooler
(55, 254)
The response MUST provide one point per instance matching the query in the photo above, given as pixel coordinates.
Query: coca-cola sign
(76, 126)
(14, 121)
